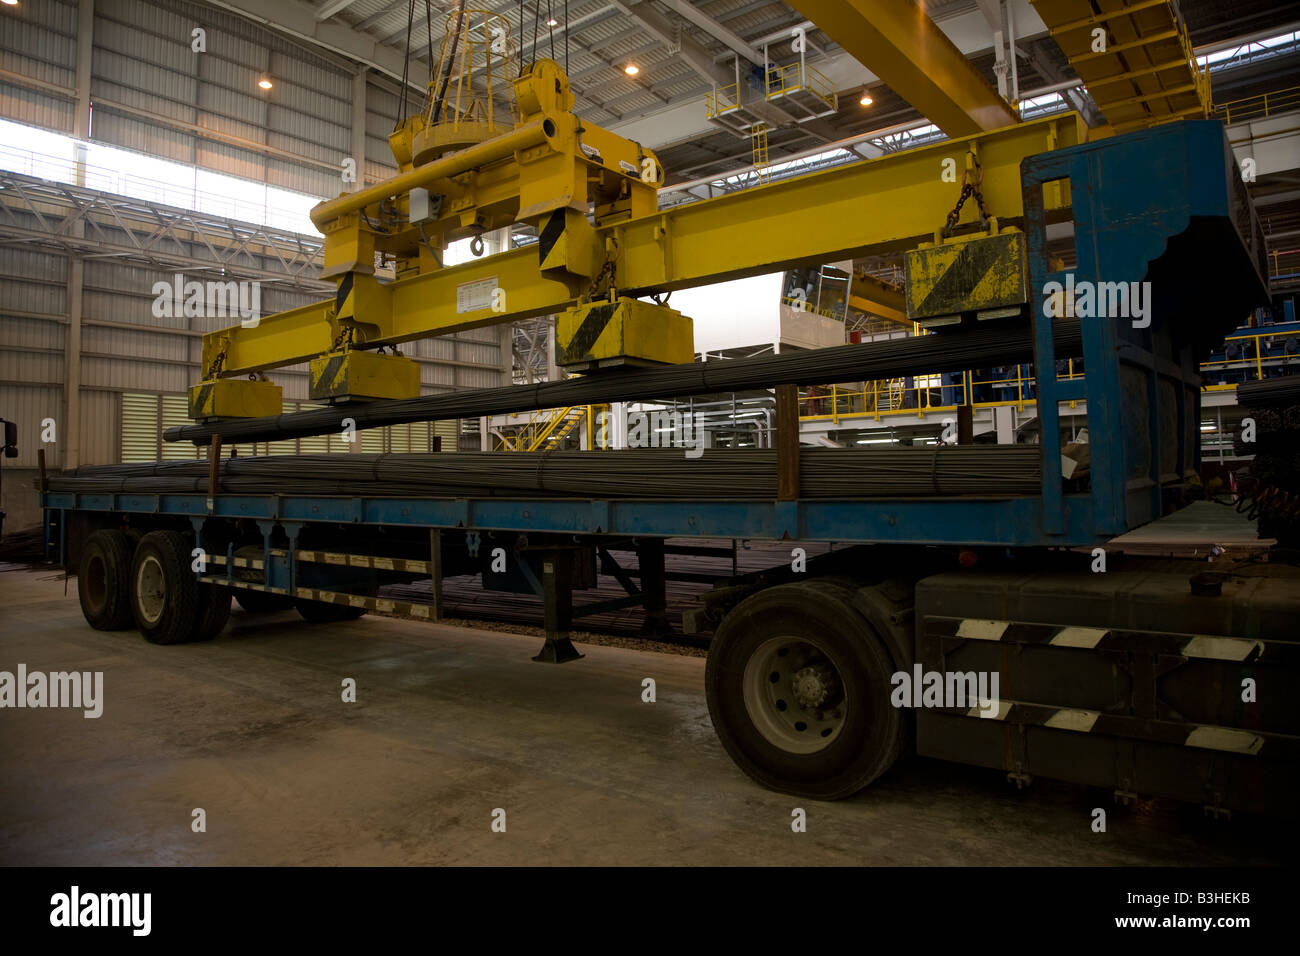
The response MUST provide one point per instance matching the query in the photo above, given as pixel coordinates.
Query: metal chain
(967, 191)
(606, 271)
(217, 364)
(344, 338)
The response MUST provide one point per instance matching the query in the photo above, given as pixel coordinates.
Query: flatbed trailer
(1147, 677)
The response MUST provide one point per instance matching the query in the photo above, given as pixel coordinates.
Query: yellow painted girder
(870, 294)
(898, 42)
(871, 207)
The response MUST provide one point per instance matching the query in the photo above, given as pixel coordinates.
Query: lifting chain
(968, 190)
(606, 271)
(218, 363)
(344, 340)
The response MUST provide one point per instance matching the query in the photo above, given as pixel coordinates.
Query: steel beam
(694, 54)
(865, 208)
(869, 294)
(906, 49)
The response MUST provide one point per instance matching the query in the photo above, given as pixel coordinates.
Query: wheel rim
(149, 589)
(794, 695)
(96, 581)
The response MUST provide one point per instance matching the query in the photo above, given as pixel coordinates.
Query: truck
(998, 628)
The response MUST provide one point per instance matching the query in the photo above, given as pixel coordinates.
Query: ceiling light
(265, 83)
(865, 101)
(9, 3)
(552, 22)
(631, 69)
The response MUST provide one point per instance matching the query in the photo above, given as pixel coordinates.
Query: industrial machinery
(1133, 677)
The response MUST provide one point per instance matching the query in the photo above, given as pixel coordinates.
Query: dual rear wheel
(145, 580)
(128, 579)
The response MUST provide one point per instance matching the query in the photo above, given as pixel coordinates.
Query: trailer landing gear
(558, 602)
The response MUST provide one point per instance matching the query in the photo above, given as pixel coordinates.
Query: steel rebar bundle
(1270, 392)
(719, 474)
(950, 352)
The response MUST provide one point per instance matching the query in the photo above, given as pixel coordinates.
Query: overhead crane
(548, 172)
(1125, 676)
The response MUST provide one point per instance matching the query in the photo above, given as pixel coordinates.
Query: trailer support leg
(650, 554)
(435, 571)
(558, 601)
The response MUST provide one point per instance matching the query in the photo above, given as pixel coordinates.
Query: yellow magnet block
(358, 375)
(234, 398)
(966, 275)
(625, 332)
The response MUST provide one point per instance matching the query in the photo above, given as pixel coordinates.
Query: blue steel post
(1035, 171)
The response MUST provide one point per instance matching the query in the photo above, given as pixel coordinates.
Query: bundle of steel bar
(1270, 392)
(750, 473)
(955, 351)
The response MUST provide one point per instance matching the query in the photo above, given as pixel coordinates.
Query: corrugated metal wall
(151, 93)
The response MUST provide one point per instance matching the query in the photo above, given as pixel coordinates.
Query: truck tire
(215, 611)
(798, 687)
(103, 581)
(165, 597)
(262, 602)
(326, 612)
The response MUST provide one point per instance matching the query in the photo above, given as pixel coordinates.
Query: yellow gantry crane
(603, 242)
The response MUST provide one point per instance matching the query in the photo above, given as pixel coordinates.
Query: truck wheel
(214, 600)
(103, 581)
(798, 686)
(165, 596)
(262, 602)
(325, 612)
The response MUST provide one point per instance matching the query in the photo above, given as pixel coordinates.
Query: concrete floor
(451, 723)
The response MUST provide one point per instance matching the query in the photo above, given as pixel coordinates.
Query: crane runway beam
(900, 44)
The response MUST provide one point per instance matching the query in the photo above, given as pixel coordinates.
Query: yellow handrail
(869, 401)
(722, 99)
(1262, 104)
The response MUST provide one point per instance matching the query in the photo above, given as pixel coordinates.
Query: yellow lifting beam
(907, 50)
(872, 207)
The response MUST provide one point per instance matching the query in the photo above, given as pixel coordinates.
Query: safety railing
(1249, 358)
(545, 427)
(1259, 106)
(1246, 357)
(796, 78)
(803, 305)
(1283, 263)
(722, 99)
(920, 394)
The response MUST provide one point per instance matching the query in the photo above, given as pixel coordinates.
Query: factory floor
(451, 724)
